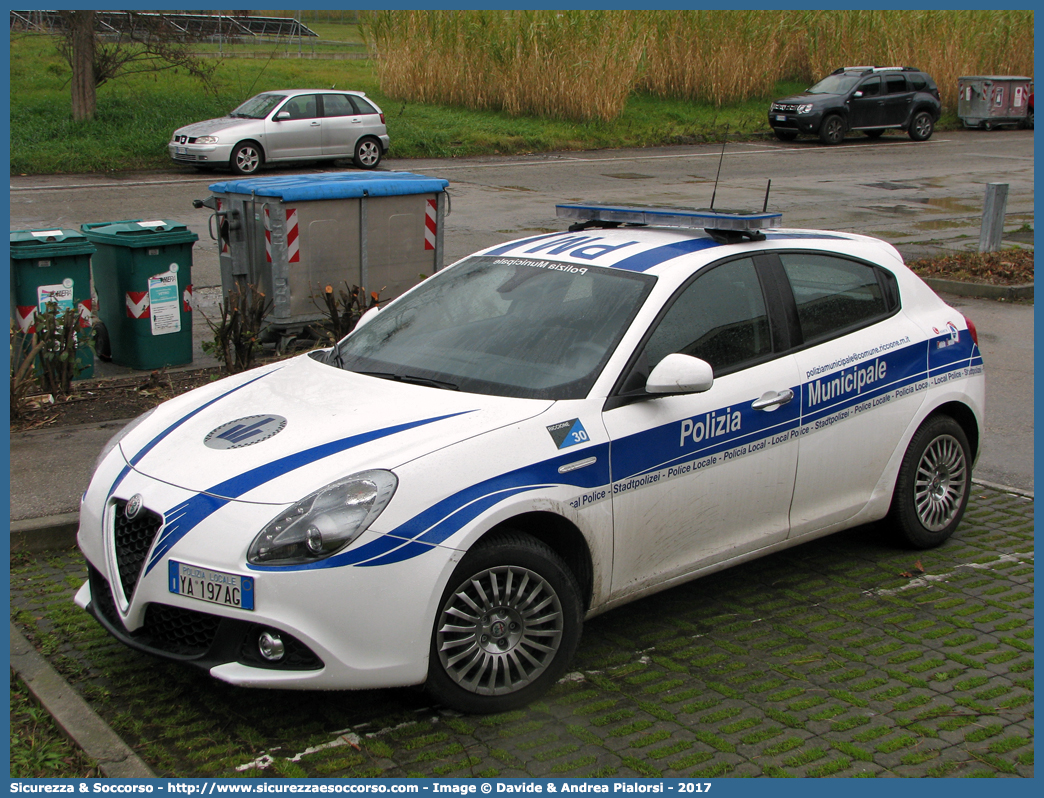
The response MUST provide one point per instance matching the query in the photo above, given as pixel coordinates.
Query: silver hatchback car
(290, 125)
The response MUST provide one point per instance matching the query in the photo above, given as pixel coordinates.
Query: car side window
(301, 107)
(834, 294)
(895, 84)
(871, 87)
(720, 317)
(363, 107)
(918, 83)
(337, 105)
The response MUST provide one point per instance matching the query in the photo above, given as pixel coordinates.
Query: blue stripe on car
(148, 447)
(182, 519)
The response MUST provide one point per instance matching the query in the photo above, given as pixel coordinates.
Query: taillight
(382, 117)
(972, 330)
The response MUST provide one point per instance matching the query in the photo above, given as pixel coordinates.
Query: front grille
(200, 638)
(133, 539)
(176, 630)
(787, 108)
(183, 157)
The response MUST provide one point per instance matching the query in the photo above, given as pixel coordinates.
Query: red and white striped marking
(84, 307)
(138, 304)
(25, 315)
(186, 298)
(430, 225)
(268, 236)
(293, 250)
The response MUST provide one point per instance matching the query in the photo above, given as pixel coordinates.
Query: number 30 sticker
(568, 433)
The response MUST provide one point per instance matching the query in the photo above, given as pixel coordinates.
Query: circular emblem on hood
(133, 507)
(244, 432)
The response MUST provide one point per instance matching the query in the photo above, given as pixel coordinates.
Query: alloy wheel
(940, 482)
(500, 630)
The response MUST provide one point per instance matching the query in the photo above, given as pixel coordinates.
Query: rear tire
(507, 627)
(832, 131)
(367, 153)
(934, 483)
(921, 126)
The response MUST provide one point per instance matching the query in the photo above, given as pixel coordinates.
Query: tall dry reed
(582, 65)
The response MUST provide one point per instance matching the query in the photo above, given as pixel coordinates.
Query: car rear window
(363, 107)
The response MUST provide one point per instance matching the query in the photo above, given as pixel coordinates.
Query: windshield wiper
(412, 380)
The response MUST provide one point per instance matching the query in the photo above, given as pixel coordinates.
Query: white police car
(543, 431)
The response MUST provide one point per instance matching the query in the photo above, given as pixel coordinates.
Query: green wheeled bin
(53, 266)
(143, 281)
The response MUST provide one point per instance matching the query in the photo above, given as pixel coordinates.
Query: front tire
(832, 131)
(922, 126)
(933, 485)
(246, 158)
(507, 627)
(367, 153)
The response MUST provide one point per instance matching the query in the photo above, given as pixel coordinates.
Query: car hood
(273, 435)
(211, 126)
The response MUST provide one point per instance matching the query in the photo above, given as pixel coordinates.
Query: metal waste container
(988, 101)
(291, 236)
(143, 281)
(53, 266)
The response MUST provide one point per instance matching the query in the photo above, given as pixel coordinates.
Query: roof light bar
(691, 218)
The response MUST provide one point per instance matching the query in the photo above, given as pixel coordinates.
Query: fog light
(271, 646)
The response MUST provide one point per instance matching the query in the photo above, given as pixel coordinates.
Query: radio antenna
(764, 207)
(721, 158)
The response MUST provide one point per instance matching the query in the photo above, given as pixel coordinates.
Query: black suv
(870, 99)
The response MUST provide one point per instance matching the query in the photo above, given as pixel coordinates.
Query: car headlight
(324, 522)
(114, 441)
(206, 139)
(801, 109)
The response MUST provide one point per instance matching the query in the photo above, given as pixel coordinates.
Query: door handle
(770, 401)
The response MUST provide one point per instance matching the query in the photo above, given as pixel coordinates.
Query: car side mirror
(679, 373)
(281, 116)
(857, 94)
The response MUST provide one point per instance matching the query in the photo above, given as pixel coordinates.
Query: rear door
(863, 371)
(342, 125)
(898, 100)
(701, 478)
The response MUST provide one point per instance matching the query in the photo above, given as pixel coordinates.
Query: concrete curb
(980, 290)
(78, 722)
(44, 533)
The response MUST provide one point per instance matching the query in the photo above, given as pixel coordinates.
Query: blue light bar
(692, 218)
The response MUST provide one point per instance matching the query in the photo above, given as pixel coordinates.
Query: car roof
(663, 252)
(294, 92)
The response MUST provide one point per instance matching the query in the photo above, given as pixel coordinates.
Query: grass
(476, 83)
(38, 749)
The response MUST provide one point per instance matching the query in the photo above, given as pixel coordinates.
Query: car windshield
(519, 327)
(834, 84)
(258, 107)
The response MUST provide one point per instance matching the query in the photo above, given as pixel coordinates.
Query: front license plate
(215, 587)
(780, 118)
(182, 150)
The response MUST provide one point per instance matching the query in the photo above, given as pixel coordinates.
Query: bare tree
(143, 43)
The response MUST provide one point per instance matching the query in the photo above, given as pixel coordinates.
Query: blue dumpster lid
(28, 244)
(334, 185)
